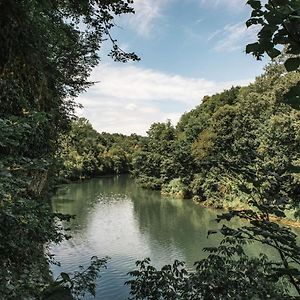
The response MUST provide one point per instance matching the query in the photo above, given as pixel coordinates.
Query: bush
(175, 188)
(148, 182)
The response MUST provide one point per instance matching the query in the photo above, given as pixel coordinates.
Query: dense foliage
(48, 49)
(85, 153)
(246, 156)
(233, 144)
(220, 276)
(238, 148)
(241, 150)
(74, 286)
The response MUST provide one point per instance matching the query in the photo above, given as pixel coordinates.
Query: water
(116, 218)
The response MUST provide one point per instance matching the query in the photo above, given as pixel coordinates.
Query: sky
(188, 49)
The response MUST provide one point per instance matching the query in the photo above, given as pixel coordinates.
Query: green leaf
(273, 53)
(266, 44)
(253, 48)
(280, 37)
(273, 17)
(254, 21)
(292, 64)
(293, 48)
(295, 169)
(255, 4)
(286, 10)
(256, 13)
(281, 2)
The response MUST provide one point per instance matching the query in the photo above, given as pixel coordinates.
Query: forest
(85, 153)
(234, 144)
(238, 149)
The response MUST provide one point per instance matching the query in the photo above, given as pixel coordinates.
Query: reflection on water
(116, 218)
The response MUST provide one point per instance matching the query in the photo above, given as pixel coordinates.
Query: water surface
(116, 218)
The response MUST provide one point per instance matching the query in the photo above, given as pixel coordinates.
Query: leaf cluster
(280, 26)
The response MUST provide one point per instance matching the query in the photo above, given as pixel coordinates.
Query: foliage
(279, 22)
(233, 143)
(248, 150)
(75, 286)
(240, 144)
(48, 49)
(280, 25)
(175, 188)
(220, 276)
(246, 157)
(162, 157)
(84, 152)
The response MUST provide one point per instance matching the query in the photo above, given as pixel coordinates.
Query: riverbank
(283, 221)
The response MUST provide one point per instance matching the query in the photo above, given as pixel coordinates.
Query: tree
(254, 147)
(279, 34)
(280, 26)
(48, 49)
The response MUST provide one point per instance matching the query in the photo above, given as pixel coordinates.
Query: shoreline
(282, 221)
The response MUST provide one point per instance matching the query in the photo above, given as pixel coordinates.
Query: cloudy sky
(189, 49)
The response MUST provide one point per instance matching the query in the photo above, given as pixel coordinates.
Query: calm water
(116, 218)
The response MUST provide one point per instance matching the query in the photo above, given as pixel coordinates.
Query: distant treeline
(244, 141)
(85, 153)
(241, 142)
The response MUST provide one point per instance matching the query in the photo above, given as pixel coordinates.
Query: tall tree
(48, 49)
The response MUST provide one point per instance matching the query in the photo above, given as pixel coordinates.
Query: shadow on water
(176, 225)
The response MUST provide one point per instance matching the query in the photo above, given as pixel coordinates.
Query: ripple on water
(115, 218)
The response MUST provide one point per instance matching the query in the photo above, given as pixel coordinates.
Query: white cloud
(150, 14)
(233, 37)
(147, 85)
(147, 12)
(232, 4)
(129, 99)
(131, 106)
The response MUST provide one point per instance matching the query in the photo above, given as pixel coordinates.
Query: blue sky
(189, 48)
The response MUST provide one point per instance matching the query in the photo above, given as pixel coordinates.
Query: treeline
(85, 153)
(241, 142)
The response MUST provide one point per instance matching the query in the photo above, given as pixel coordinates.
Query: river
(116, 218)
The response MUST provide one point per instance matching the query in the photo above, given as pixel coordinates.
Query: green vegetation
(48, 49)
(238, 148)
(245, 148)
(74, 286)
(85, 153)
(217, 277)
(243, 153)
(233, 144)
